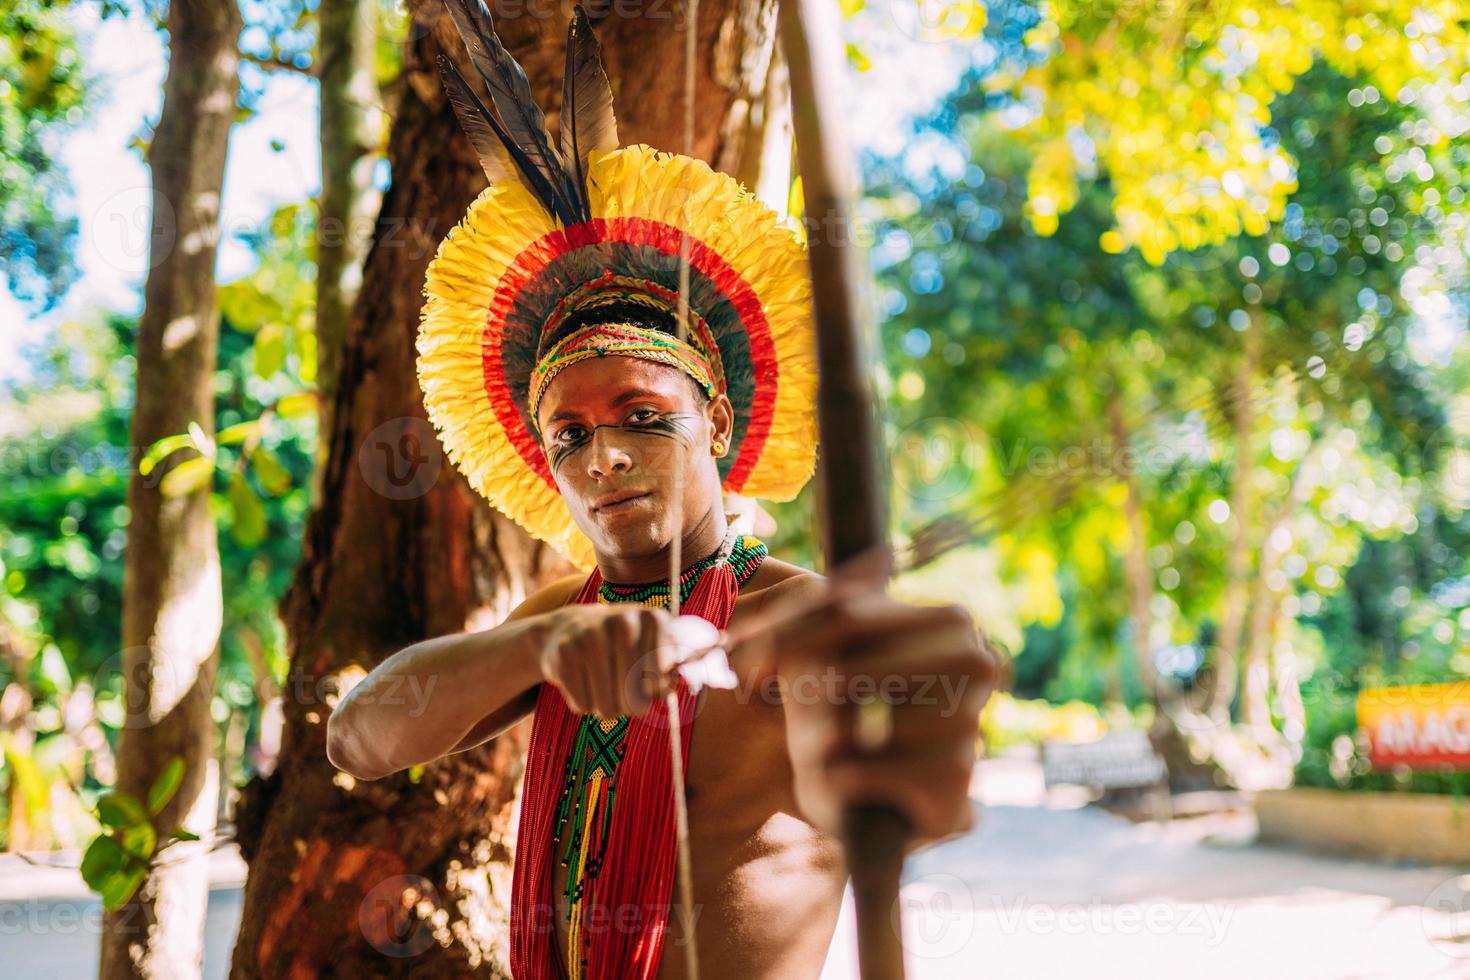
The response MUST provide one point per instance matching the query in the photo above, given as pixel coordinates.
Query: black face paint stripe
(666, 425)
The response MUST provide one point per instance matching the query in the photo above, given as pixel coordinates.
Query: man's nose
(607, 456)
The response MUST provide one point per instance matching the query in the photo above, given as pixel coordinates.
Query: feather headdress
(579, 221)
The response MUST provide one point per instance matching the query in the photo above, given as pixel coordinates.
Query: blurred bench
(1122, 766)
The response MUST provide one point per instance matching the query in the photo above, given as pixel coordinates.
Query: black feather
(486, 135)
(522, 119)
(587, 120)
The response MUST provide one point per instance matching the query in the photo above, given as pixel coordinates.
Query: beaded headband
(628, 340)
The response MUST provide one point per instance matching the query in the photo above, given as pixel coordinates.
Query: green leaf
(121, 886)
(239, 432)
(160, 449)
(188, 476)
(270, 350)
(103, 858)
(181, 834)
(166, 785)
(415, 773)
(249, 525)
(306, 354)
(301, 404)
(54, 669)
(118, 809)
(273, 476)
(139, 840)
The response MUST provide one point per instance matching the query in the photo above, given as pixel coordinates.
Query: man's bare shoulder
(776, 578)
(551, 596)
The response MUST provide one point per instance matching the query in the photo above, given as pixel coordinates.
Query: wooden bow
(851, 489)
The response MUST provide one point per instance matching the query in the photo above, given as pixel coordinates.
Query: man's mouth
(622, 500)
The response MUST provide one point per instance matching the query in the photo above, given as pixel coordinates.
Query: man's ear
(722, 419)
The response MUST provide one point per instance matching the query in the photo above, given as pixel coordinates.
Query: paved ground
(1048, 889)
(1044, 888)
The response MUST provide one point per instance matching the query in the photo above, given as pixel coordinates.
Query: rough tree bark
(171, 591)
(335, 864)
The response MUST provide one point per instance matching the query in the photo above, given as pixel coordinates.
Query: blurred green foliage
(42, 93)
(66, 457)
(1005, 349)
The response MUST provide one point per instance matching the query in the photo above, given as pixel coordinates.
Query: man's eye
(571, 433)
(647, 415)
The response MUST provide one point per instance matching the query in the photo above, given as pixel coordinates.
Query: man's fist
(609, 660)
(882, 702)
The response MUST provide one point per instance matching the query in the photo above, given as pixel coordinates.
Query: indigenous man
(607, 412)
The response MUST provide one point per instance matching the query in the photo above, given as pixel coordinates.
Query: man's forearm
(417, 705)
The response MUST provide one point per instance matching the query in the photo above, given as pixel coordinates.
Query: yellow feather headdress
(575, 225)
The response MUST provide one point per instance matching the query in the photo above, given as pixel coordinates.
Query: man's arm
(475, 685)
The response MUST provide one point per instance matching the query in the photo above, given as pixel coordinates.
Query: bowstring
(671, 698)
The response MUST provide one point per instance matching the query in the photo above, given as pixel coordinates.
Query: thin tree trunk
(1178, 733)
(350, 127)
(1255, 704)
(171, 590)
(335, 863)
(1135, 561)
(1237, 558)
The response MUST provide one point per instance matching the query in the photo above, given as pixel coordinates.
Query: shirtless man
(773, 762)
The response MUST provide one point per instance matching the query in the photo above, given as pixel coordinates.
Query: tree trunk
(1237, 558)
(1135, 562)
(1265, 618)
(171, 590)
(1181, 735)
(350, 126)
(337, 867)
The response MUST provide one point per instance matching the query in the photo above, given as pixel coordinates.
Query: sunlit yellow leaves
(1173, 97)
(1034, 573)
(299, 405)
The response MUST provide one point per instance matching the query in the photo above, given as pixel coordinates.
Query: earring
(718, 448)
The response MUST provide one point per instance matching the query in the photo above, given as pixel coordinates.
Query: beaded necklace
(582, 819)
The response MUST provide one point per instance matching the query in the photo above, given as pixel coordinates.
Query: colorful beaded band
(744, 554)
(602, 339)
